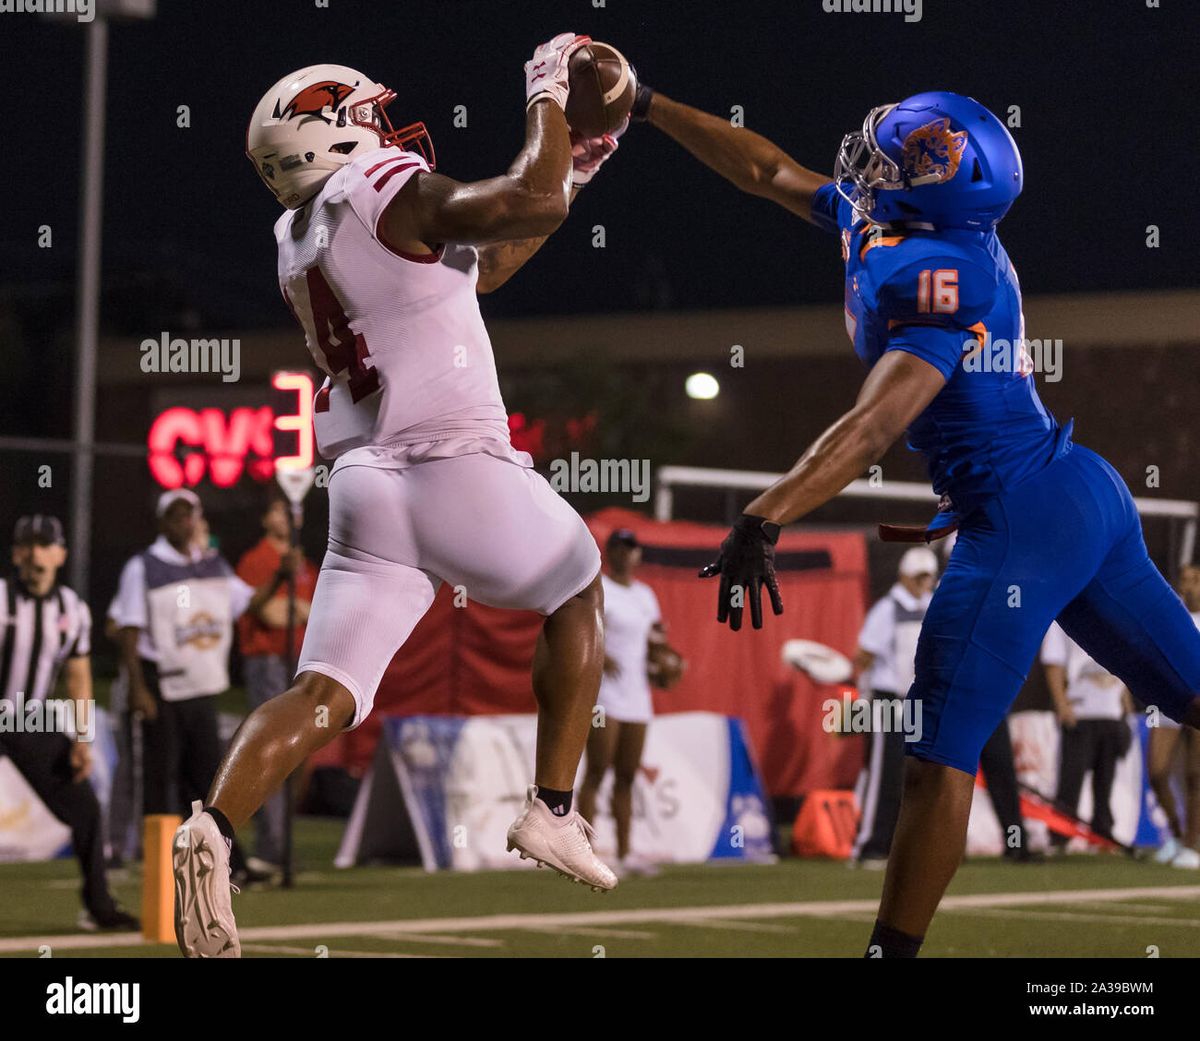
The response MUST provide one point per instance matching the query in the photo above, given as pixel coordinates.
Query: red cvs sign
(186, 445)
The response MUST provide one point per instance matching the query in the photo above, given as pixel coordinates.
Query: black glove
(641, 101)
(747, 560)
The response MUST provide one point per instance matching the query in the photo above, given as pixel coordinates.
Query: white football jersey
(399, 337)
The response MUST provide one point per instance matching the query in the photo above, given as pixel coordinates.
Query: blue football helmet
(936, 158)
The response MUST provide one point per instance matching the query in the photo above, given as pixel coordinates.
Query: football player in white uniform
(380, 261)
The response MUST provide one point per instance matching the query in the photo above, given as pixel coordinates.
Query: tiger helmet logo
(313, 98)
(934, 151)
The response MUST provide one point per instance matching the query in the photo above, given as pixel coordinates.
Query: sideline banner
(443, 791)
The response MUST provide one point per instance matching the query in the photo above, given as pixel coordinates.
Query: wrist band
(538, 97)
(641, 103)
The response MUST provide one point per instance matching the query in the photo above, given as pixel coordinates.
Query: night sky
(1107, 91)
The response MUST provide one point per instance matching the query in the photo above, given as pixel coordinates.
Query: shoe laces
(582, 834)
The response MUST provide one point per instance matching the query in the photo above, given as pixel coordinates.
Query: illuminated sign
(527, 435)
(185, 445)
(545, 440)
(300, 421)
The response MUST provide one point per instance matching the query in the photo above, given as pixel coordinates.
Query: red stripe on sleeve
(392, 173)
(386, 162)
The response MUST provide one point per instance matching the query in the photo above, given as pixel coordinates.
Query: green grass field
(1077, 907)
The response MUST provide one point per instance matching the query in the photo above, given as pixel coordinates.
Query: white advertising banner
(443, 790)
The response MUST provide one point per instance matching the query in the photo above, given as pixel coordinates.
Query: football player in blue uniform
(1046, 528)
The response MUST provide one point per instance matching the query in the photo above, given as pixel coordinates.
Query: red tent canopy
(475, 659)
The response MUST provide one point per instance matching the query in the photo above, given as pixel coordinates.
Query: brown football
(602, 90)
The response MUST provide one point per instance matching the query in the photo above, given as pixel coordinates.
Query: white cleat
(204, 925)
(561, 843)
(1187, 858)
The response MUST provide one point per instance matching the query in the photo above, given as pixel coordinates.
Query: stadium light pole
(87, 301)
(87, 289)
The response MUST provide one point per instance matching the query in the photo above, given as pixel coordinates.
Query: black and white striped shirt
(37, 635)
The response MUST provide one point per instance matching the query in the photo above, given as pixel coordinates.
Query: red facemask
(412, 138)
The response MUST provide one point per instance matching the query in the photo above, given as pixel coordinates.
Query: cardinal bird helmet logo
(312, 99)
(934, 151)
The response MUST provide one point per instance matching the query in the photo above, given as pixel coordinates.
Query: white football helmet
(314, 121)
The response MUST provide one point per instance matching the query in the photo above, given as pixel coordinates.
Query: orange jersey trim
(882, 240)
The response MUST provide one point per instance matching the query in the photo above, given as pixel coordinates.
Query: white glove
(588, 154)
(546, 71)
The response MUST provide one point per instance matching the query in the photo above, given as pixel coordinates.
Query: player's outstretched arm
(746, 159)
(528, 201)
(898, 389)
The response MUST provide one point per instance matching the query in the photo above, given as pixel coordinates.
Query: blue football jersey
(951, 298)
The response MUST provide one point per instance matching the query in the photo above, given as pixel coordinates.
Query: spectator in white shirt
(632, 623)
(1091, 705)
(175, 610)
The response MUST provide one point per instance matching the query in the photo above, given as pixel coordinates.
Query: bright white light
(702, 386)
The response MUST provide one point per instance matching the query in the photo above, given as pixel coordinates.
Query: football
(603, 86)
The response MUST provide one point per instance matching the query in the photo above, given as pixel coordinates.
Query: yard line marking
(272, 948)
(746, 927)
(1074, 916)
(1135, 909)
(457, 941)
(589, 919)
(598, 933)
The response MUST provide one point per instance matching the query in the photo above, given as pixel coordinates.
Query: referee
(46, 626)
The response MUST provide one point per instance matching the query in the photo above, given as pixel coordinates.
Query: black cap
(40, 528)
(623, 537)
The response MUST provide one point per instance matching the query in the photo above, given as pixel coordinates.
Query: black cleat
(115, 920)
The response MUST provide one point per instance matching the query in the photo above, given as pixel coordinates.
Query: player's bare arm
(499, 261)
(274, 613)
(140, 698)
(263, 594)
(530, 200)
(748, 160)
(897, 391)
(863, 660)
(1056, 681)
